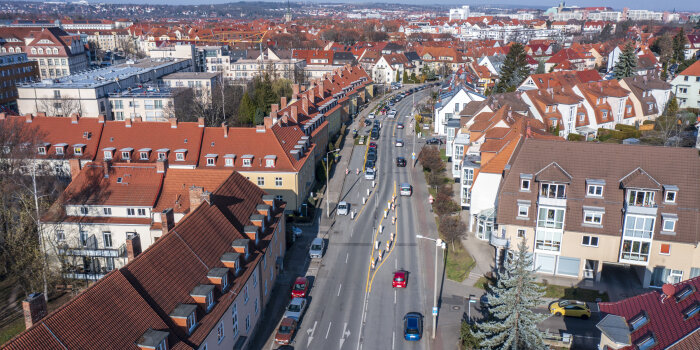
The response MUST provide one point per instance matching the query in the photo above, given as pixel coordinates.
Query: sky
(656, 5)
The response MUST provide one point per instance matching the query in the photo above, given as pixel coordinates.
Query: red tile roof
(693, 69)
(175, 192)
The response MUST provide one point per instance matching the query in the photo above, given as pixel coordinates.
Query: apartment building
(15, 69)
(203, 285)
(88, 93)
(149, 103)
(648, 95)
(108, 39)
(204, 84)
(278, 64)
(581, 206)
(686, 86)
(449, 105)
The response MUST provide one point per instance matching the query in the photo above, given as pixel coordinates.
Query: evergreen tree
(398, 77)
(405, 77)
(514, 69)
(246, 110)
(513, 323)
(540, 68)
(626, 63)
(679, 42)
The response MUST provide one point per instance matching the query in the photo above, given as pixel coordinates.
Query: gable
(554, 173)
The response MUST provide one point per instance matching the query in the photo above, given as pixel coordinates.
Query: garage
(568, 266)
(545, 263)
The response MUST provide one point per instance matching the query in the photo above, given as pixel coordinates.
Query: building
(449, 105)
(202, 285)
(581, 206)
(686, 86)
(203, 83)
(108, 39)
(88, 93)
(15, 69)
(649, 96)
(666, 319)
(279, 64)
(459, 13)
(58, 53)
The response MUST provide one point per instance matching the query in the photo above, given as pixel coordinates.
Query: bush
(576, 137)
(467, 337)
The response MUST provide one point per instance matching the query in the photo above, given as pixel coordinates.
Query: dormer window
(191, 321)
(525, 181)
(78, 149)
(161, 156)
(228, 162)
(270, 161)
(247, 160)
(224, 281)
(687, 291)
(180, 155)
(594, 188)
(143, 155)
(163, 345)
(126, 155)
(209, 301)
(605, 114)
(211, 159)
(669, 223)
(640, 198)
(691, 311)
(670, 193)
(646, 342)
(639, 321)
(552, 190)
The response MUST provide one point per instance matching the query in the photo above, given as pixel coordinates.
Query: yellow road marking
(374, 239)
(396, 238)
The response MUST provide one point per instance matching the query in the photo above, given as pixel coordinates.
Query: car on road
(399, 143)
(413, 326)
(399, 125)
(296, 308)
(400, 161)
(343, 208)
(368, 122)
(286, 330)
(369, 165)
(405, 189)
(392, 113)
(316, 250)
(372, 145)
(369, 173)
(370, 116)
(570, 308)
(375, 135)
(300, 287)
(372, 156)
(433, 141)
(399, 280)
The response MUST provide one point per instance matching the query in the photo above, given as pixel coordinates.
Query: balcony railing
(549, 201)
(641, 209)
(105, 253)
(83, 276)
(499, 241)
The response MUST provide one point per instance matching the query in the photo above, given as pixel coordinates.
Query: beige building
(202, 83)
(583, 206)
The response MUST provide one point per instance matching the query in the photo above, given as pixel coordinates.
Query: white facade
(686, 88)
(450, 109)
(459, 13)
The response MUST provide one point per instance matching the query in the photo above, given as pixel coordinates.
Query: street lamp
(438, 244)
(328, 205)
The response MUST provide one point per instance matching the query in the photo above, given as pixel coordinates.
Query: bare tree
(59, 107)
(451, 228)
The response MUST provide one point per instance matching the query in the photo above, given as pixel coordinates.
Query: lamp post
(328, 205)
(438, 244)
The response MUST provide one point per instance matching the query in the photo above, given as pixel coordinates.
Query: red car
(372, 145)
(399, 280)
(301, 286)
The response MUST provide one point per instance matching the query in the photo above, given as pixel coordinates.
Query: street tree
(451, 226)
(514, 70)
(626, 63)
(429, 157)
(59, 107)
(513, 323)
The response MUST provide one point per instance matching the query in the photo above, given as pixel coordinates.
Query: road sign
(435, 311)
(430, 199)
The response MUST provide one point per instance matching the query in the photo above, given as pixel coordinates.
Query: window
(676, 276)
(126, 155)
(635, 250)
(256, 306)
(279, 198)
(161, 156)
(669, 225)
(605, 114)
(261, 181)
(548, 240)
(180, 156)
(83, 238)
(142, 212)
(521, 233)
(83, 210)
(163, 345)
(107, 238)
(525, 185)
(108, 155)
(247, 323)
(234, 316)
(191, 321)
(245, 295)
(593, 217)
(550, 190)
(130, 211)
(57, 94)
(670, 197)
(665, 249)
(42, 150)
(107, 211)
(640, 198)
(639, 226)
(691, 311)
(550, 218)
(228, 161)
(60, 235)
(220, 332)
(278, 181)
(638, 321)
(143, 155)
(209, 301)
(595, 191)
(246, 161)
(255, 280)
(523, 210)
(211, 161)
(59, 150)
(270, 163)
(590, 241)
(78, 151)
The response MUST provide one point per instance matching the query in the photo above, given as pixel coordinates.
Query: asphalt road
(351, 305)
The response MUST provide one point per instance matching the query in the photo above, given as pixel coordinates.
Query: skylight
(638, 321)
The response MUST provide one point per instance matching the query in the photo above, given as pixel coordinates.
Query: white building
(459, 13)
(686, 87)
(449, 106)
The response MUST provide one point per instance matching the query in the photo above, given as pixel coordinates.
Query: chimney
(127, 122)
(2, 116)
(295, 113)
(41, 114)
(28, 117)
(206, 197)
(302, 88)
(232, 261)
(241, 246)
(74, 167)
(274, 108)
(138, 120)
(321, 91)
(267, 121)
(295, 90)
(269, 200)
(263, 209)
(195, 197)
(305, 105)
(173, 122)
(34, 308)
(252, 232)
(200, 122)
(284, 119)
(101, 118)
(105, 167)
(260, 128)
(161, 166)
(133, 246)
(74, 118)
(167, 220)
(283, 102)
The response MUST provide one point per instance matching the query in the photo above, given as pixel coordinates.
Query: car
(369, 173)
(399, 125)
(370, 116)
(571, 308)
(433, 141)
(368, 122)
(374, 135)
(295, 309)
(405, 189)
(343, 208)
(286, 330)
(399, 280)
(399, 143)
(316, 250)
(400, 162)
(373, 145)
(372, 156)
(413, 326)
(300, 287)
(369, 164)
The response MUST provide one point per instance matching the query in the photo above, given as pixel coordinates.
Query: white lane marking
(310, 332)
(339, 287)
(394, 296)
(396, 263)
(329, 329)
(346, 257)
(345, 335)
(393, 339)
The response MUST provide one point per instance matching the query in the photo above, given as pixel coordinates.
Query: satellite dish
(668, 289)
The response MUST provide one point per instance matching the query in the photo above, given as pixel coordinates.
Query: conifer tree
(679, 41)
(514, 70)
(626, 63)
(513, 323)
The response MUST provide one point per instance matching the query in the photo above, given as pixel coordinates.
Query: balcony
(103, 253)
(499, 241)
(83, 276)
(552, 201)
(649, 209)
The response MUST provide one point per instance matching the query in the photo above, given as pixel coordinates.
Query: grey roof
(191, 75)
(151, 338)
(412, 56)
(217, 272)
(202, 290)
(616, 329)
(230, 256)
(183, 310)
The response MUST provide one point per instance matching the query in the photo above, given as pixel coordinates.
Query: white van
(343, 208)
(369, 174)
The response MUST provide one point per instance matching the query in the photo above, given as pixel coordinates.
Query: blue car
(412, 326)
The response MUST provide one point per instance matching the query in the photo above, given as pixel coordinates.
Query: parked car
(433, 141)
(372, 156)
(369, 165)
(296, 308)
(286, 331)
(368, 122)
(405, 189)
(369, 173)
(400, 162)
(399, 280)
(375, 135)
(316, 250)
(399, 125)
(300, 287)
(570, 308)
(399, 143)
(373, 145)
(370, 116)
(413, 326)
(343, 208)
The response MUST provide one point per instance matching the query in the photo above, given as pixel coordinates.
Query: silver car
(343, 208)
(295, 309)
(316, 250)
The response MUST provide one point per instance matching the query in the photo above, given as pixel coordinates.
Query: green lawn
(575, 293)
(459, 263)
(482, 282)
(443, 154)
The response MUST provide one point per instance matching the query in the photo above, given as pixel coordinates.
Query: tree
(467, 337)
(668, 124)
(398, 77)
(59, 107)
(679, 41)
(513, 323)
(246, 109)
(540, 68)
(429, 157)
(514, 70)
(451, 227)
(626, 63)
(405, 77)
(663, 46)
